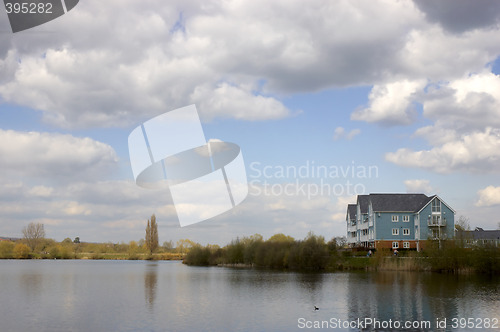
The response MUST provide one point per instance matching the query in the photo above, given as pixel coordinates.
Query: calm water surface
(80, 295)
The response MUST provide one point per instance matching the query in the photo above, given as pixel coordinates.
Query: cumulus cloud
(54, 156)
(118, 210)
(341, 133)
(227, 100)
(488, 196)
(115, 63)
(458, 16)
(418, 186)
(465, 134)
(466, 104)
(86, 209)
(391, 103)
(477, 152)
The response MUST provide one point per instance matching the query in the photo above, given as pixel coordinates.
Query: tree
(21, 251)
(168, 245)
(33, 234)
(151, 240)
(462, 224)
(76, 240)
(280, 237)
(184, 245)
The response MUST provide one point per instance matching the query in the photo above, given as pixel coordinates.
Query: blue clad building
(398, 221)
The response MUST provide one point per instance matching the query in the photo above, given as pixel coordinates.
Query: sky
(387, 96)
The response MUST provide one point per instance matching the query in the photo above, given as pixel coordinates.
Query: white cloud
(237, 102)
(465, 134)
(116, 63)
(54, 156)
(488, 196)
(40, 191)
(341, 133)
(391, 103)
(466, 104)
(476, 152)
(118, 210)
(436, 135)
(418, 186)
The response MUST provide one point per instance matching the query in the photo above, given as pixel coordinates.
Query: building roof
(351, 211)
(5, 238)
(363, 203)
(398, 202)
(481, 234)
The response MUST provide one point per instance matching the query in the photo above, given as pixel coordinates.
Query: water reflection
(409, 296)
(62, 295)
(31, 283)
(150, 284)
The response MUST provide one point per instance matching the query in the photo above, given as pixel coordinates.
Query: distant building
(398, 221)
(479, 237)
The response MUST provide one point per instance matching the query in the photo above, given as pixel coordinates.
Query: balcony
(436, 223)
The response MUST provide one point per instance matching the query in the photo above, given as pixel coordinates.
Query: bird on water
(316, 308)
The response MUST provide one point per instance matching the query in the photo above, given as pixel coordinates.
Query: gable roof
(398, 202)
(363, 203)
(351, 211)
(436, 196)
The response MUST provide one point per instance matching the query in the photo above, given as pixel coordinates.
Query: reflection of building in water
(150, 282)
(401, 296)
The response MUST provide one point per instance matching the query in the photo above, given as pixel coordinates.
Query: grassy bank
(314, 254)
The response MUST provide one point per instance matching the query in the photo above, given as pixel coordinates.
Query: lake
(89, 295)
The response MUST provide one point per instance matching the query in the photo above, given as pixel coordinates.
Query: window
(395, 219)
(436, 206)
(406, 245)
(406, 231)
(406, 218)
(395, 245)
(395, 231)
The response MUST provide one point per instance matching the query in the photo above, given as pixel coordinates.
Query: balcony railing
(440, 222)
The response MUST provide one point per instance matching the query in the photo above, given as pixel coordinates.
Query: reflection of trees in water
(312, 284)
(150, 284)
(32, 283)
(310, 281)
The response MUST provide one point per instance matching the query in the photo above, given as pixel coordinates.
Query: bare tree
(152, 235)
(33, 234)
(168, 245)
(462, 224)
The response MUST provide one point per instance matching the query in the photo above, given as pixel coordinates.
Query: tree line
(35, 244)
(279, 251)
(315, 254)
